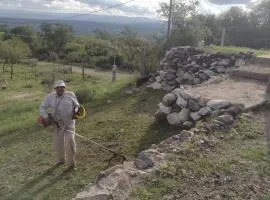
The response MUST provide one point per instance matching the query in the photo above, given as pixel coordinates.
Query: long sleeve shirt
(61, 108)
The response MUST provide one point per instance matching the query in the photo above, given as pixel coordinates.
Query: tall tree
(55, 36)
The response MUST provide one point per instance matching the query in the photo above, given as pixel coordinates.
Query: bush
(85, 95)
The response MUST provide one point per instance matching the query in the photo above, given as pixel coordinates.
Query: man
(62, 105)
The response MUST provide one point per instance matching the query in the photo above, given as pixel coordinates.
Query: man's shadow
(34, 182)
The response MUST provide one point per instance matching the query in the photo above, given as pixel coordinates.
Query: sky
(142, 8)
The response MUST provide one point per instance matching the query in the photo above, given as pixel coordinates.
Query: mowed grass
(231, 165)
(124, 123)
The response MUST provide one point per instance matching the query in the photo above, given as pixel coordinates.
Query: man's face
(60, 91)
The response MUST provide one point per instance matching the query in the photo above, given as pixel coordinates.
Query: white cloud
(136, 8)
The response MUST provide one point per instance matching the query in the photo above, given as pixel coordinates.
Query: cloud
(230, 2)
(76, 6)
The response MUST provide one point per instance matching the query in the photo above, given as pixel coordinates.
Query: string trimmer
(115, 154)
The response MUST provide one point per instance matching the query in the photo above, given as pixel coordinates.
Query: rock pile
(183, 109)
(191, 66)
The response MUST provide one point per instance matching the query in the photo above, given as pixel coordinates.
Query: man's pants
(65, 146)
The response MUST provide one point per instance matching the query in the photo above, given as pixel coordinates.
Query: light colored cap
(59, 83)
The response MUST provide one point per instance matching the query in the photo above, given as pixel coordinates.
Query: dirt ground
(247, 92)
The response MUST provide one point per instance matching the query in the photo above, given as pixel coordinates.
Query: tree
(12, 51)
(181, 11)
(102, 34)
(55, 37)
(27, 34)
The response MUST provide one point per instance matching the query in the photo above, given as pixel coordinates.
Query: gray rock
(203, 76)
(188, 76)
(195, 116)
(170, 76)
(172, 82)
(179, 80)
(209, 73)
(143, 161)
(180, 73)
(224, 62)
(173, 118)
(193, 106)
(218, 103)
(205, 111)
(197, 81)
(168, 88)
(184, 115)
(239, 62)
(202, 102)
(221, 69)
(234, 110)
(169, 99)
(226, 119)
(214, 63)
(181, 102)
(188, 124)
(164, 109)
(215, 113)
(158, 79)
(155, 86)
(159, 115)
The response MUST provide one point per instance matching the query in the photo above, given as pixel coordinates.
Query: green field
(125, 125)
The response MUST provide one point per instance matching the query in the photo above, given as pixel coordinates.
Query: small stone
(197, 81)
(184, 115)
(182, 103)
(188, 124)
(165, 109)
(193, 106)
(205, 111)
(195, 116)
(203, 76)
(227, 119)
(155, 86)
(221, 69)
(143, 161)
(173, 118)
(209, 73)
(169, 99)
(215, 113)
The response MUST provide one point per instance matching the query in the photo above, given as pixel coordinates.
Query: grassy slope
(233, 49)
(26, 152)
(233, 167)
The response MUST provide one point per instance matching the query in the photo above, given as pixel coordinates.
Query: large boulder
(218, 104)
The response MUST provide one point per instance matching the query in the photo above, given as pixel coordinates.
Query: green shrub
(85, 95)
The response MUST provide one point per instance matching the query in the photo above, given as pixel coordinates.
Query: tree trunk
(11, 71)
(83, 73)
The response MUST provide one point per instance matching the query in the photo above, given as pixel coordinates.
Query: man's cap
(59, 83)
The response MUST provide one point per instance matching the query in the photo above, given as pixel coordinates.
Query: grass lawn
(234, 166)
(125, 124)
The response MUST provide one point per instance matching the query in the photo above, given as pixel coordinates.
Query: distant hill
(85, 24)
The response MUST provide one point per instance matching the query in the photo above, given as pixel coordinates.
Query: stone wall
(191, 66)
